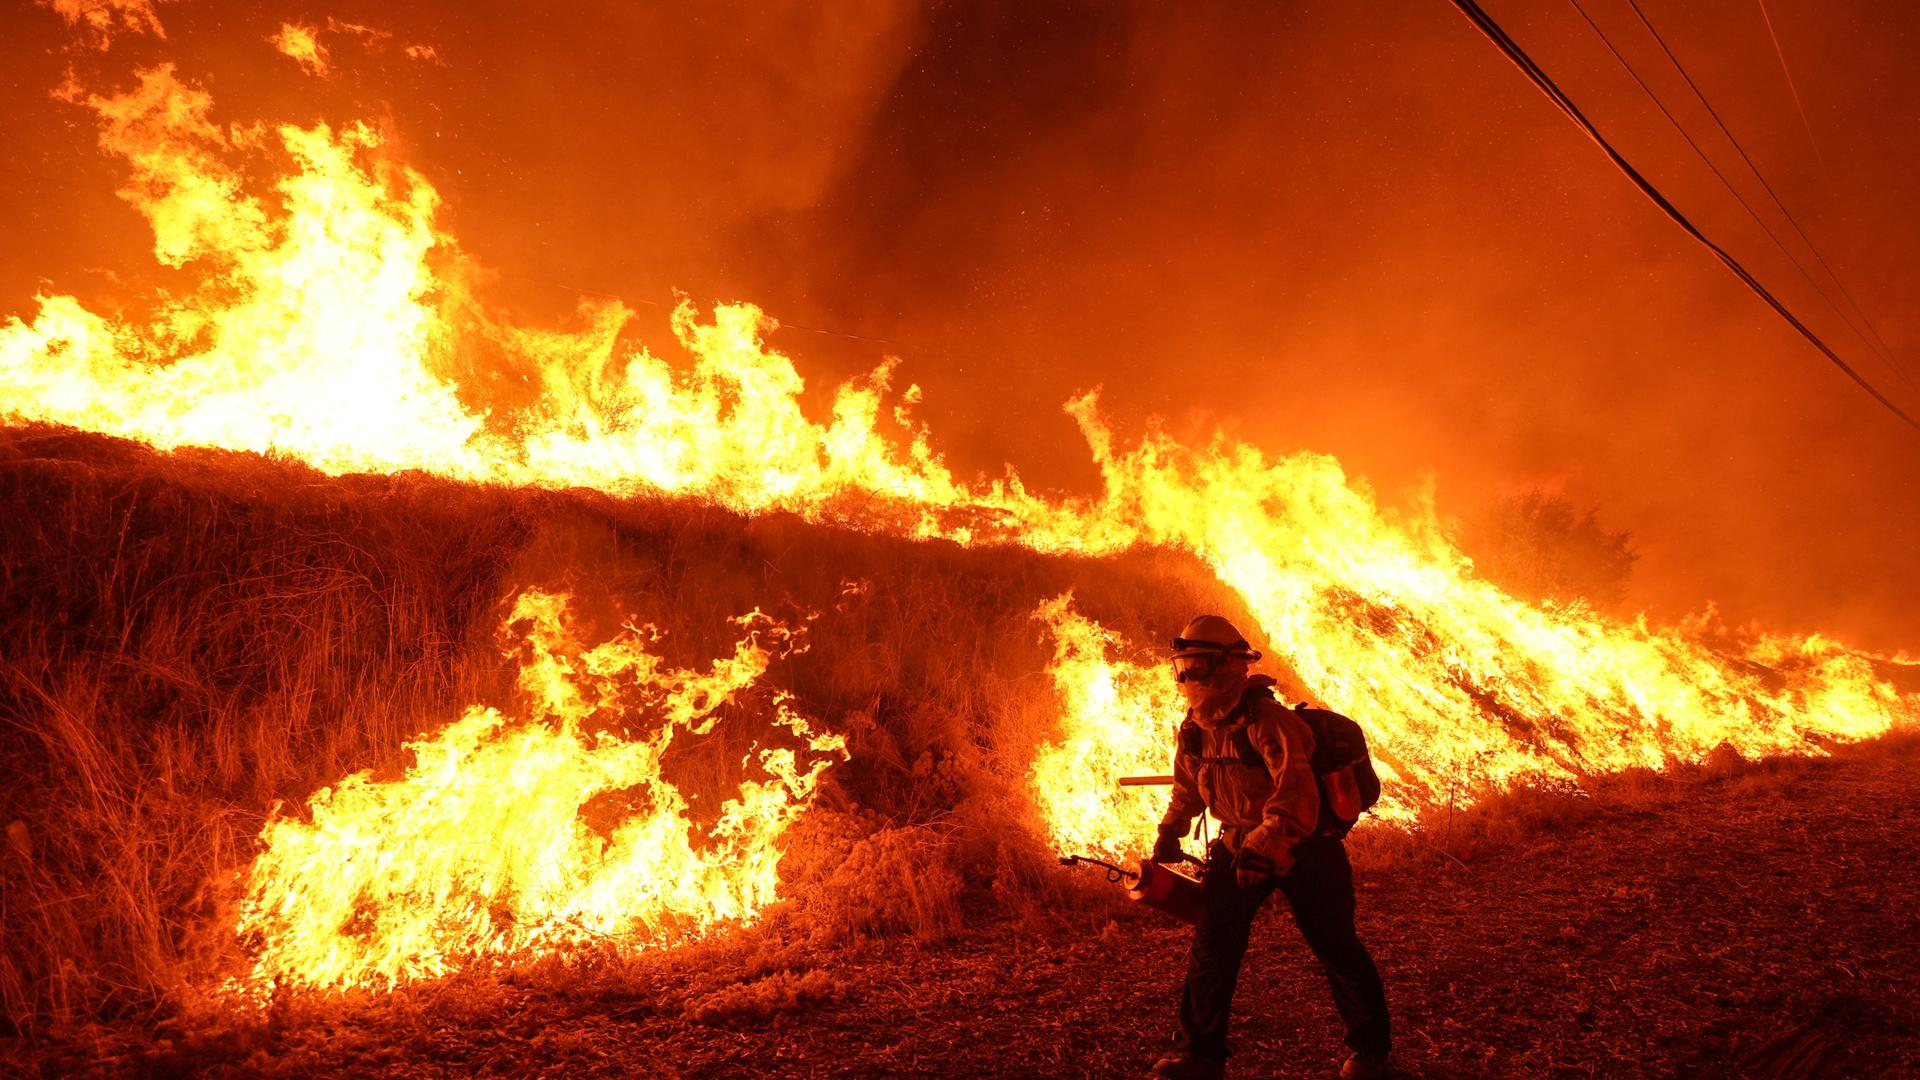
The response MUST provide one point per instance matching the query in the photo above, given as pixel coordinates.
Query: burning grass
(199, 638)
(196, 639)
(272, 697)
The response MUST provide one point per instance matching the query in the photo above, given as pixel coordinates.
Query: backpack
(1342, 768)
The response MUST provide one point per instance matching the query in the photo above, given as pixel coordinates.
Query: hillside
(198, 642)
(194, 639)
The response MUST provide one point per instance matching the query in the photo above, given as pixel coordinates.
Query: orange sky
(1342, 227)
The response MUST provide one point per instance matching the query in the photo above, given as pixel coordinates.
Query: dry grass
(193, 639)
(188, 641)
(1535, 812)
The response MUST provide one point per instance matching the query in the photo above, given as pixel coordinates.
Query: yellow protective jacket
(1268, 805)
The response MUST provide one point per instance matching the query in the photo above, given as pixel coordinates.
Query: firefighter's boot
(1189, 1067)
(1364, 1067)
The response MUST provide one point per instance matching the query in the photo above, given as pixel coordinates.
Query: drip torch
(1160, 887)
(1156, 885)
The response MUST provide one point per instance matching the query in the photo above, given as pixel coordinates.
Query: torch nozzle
(1114, 873)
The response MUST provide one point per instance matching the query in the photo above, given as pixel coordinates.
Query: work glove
(1250, 868)
(1166, 849)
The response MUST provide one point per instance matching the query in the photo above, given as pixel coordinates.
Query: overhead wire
(1727, 183)
(1518, 56)
(1793, 89)
(1884, 349)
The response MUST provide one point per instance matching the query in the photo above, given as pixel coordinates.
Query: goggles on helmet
(1198, 668)
(1196, 660)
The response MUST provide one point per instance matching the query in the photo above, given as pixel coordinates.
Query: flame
(1118, 721)
(301, 44)
(321, 321)
(306, 331)
(103, 20)
(486, 849)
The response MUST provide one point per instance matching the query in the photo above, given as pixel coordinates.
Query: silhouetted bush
(1542, 545)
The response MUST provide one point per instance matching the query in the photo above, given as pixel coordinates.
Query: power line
(1884, 348)
(1722, 177)
(1540, 79)
(1794, 90)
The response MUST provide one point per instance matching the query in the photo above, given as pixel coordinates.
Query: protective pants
(1320, 889)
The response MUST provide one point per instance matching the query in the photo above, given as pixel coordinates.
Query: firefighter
(1260, 786)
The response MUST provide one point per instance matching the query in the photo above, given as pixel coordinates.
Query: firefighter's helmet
(1205, 644)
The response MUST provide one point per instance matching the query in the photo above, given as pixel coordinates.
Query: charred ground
(193, 638)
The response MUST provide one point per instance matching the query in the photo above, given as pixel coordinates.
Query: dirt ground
(1759, 924)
